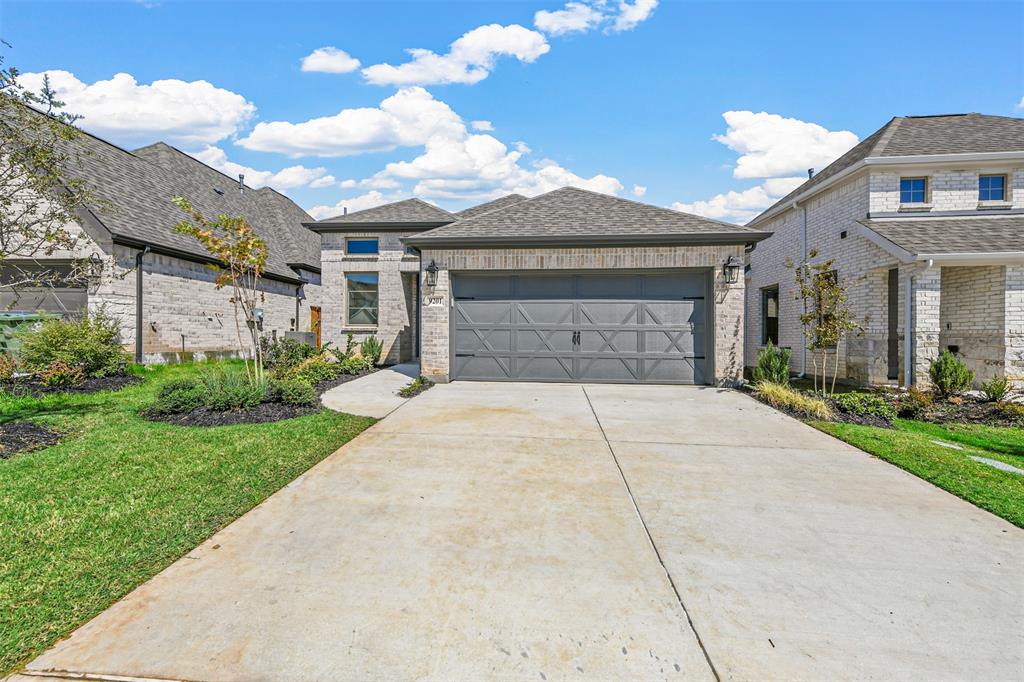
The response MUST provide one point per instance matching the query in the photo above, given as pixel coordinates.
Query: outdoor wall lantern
(432, 274)
(731, 270)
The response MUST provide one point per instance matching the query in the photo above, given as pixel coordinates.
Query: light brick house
(570, 285)
(927, 210)
(156, 282)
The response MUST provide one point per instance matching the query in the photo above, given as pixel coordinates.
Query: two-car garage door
(589, 327)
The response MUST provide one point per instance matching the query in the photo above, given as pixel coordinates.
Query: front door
(314, 322)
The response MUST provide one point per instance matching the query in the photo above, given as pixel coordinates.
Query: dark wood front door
(314, 322)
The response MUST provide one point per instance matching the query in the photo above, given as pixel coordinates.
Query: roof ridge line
(883, 141)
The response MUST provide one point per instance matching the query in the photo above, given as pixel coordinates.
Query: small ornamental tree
(826, 318)
(242, 257)
(39, 197)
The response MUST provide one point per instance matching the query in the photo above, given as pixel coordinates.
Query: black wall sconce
(432, 274)
(731, 270)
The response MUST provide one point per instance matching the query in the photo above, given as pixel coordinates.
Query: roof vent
(241, 183)
(810, 173)
(344, 210)
(218, 191)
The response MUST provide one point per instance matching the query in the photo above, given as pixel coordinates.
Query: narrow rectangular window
(913, 190)
(362, 298)
(770, 315)
(991, 188)
(361, 246)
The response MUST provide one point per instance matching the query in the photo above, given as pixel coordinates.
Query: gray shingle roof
(572, 215)
(137, 188)
(922, 135)
(973, 234)
(494, 205)
(412, 212)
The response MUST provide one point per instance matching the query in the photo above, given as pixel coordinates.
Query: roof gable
(495, 205)
(573, 215)
(413, 212)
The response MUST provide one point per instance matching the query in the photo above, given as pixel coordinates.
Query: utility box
(308, 338)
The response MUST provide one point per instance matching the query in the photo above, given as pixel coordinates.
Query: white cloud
(482, 126)
(407, 118)
(325, 181)
(576, 16)
(353, 204)
(329, 60)
(741, 207)
(632, 13)
(469, 60)
(639, 190)
(771, 146)
(185, 113)
(285, 179)
(1020, 105)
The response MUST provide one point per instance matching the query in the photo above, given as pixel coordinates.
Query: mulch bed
(261, 414)
(968, 412)
(18, 437)
(33, 387)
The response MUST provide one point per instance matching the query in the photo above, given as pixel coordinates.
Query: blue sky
(624, 97)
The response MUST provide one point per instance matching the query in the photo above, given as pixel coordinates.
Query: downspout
(298, 293)
(419, 309)
(908, 335)
(803, 262)
(138, 304)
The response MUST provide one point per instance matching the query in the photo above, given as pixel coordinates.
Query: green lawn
(909, 446)
(84, 522)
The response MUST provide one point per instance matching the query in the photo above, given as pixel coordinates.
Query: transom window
(770, 315)
(913, 190)
(361, 246)
(991, 188)
(362, 298)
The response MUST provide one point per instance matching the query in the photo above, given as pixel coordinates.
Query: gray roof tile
(412, 211)
(496, 204)
(963, 234)
(922, 135)
(572, 214)
(137, 188)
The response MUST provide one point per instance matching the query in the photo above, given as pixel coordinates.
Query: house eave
(584, 241)
(320, 227)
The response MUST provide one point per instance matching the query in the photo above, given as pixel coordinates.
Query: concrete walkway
(374, 395)
(543, 532)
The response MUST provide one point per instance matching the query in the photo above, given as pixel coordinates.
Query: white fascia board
(951, 259)
(881, 242)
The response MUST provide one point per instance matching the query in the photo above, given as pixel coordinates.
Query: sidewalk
(374, 395)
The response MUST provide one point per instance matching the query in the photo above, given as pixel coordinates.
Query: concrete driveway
(543, 532)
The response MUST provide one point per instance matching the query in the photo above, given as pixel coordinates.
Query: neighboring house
(570, 285)
(927, 210)
(159, 282)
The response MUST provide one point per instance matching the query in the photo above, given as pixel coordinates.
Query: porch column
(924, 286)
(1013, 328)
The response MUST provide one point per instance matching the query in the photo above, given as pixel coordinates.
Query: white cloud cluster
(775, 150)
(580, 17)
(285, 179)
(482, 126)
(1020, 105)
(329, 60)
(469, 59)
(639, 190)
(185, 113)
(408, 118)
(353, 204)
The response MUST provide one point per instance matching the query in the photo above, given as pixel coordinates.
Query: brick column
(1013, 329)
(728, 323)
(926, 294)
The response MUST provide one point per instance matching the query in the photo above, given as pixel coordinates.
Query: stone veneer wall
(396, 314)
(972, 315)
(728, 298)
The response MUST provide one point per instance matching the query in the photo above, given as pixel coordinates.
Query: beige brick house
(156, 282)
(570, 285)
(925, 221)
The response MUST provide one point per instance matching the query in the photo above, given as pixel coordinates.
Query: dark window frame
(363, 282)
(768, 328)
(989, 189)
(910, 194)
(362, 240)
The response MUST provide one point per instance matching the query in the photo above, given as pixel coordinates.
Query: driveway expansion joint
(650, 538)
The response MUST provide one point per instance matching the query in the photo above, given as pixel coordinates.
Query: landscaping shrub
(950, 375)
(315, 369)
(785, 398)
(865, 405)
(354, 364)
(996, 389)
(415, 387)
(91, 343)
(292, 392)
(7, 366)
(1011, 411)
(773, 365)
(915, 403)
(179, 396)
(371, 349)
(283, 354)
(226, 391)
(59, 374)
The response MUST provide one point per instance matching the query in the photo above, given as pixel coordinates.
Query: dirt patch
(968, 412)
(18, 437)
(33, 387)
(325, 386)
(261, 414)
